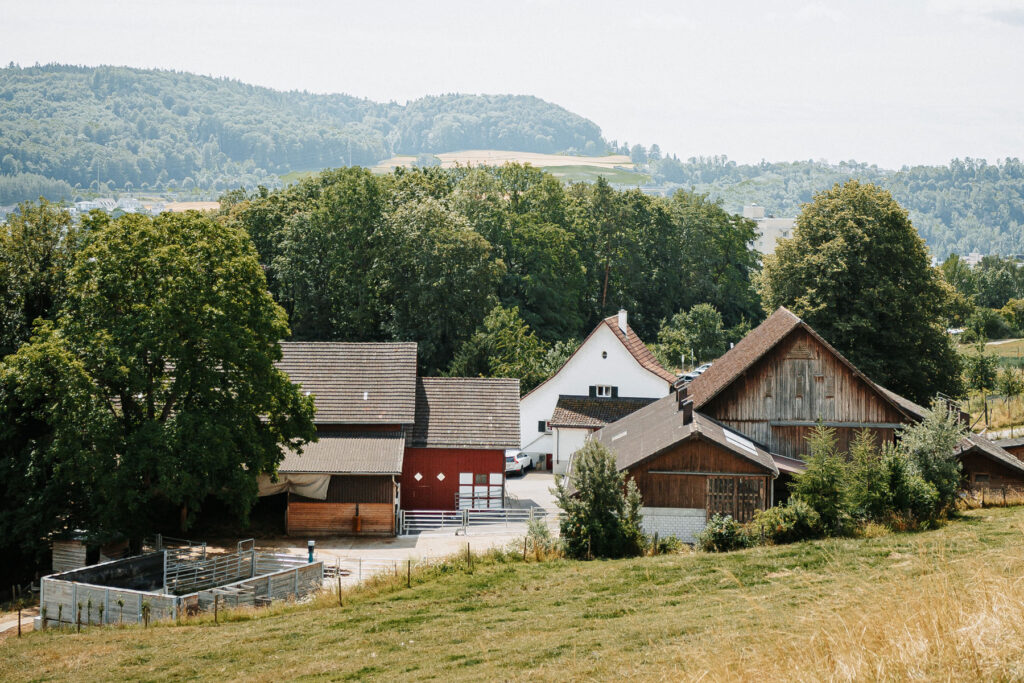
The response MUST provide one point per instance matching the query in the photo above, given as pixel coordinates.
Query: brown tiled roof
(659, 426)
(355, 383)
(585, 411)
(349, 453)
(636, 347)
(466, 412)
(977, 442)
(748, 351)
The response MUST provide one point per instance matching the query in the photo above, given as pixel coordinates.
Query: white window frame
(604, 391)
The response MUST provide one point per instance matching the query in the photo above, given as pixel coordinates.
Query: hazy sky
(885, 82)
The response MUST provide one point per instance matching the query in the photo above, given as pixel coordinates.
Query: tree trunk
(604, 293)
(183, 520)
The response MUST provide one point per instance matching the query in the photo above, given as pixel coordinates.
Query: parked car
(513, 465)
(526, 460)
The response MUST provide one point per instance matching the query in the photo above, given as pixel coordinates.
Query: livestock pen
(168, 583)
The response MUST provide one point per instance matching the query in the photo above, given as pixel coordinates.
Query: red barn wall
(431, 493)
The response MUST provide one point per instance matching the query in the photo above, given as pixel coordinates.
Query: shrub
(868, 482)
(930, 446)
(794, 521)
(602, 512)
(823, 484)
(910, 497)
(539, 539)
(669, 545)
(722, 534)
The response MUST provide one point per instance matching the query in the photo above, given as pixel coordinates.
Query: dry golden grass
(946, 604)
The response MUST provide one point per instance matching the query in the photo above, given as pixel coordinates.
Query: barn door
(739, 497)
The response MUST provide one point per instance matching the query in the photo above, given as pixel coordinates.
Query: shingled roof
(586, 411)
(349, 453)
(355, 383)
(659, 426)
(466, 412)
(636, 347)
(980, 444)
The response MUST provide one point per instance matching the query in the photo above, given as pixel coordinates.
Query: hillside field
(943, 604)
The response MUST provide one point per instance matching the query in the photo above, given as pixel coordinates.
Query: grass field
(944, 604)
(591, 173)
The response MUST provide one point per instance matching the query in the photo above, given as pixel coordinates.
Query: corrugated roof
(466, 412)
(586, 411)
(636, 347)
(349, 453)
(659, 426)
(990, 450)
(355, 383)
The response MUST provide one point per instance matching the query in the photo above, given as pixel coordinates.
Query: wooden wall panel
(688, 490)
(338, 519)
(799, 380)
(999, 475)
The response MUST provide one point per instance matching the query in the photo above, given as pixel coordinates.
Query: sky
(892, 83)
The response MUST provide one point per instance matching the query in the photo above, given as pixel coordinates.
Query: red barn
(455, 454)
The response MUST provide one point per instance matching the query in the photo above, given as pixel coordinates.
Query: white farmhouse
(610, 365)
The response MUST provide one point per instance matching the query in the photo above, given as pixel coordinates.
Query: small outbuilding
(689, 467)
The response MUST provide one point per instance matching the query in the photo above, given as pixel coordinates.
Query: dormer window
(605, 391)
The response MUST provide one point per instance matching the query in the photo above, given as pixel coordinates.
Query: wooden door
(739, 497)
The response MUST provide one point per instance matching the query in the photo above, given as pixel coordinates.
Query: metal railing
(415, 521)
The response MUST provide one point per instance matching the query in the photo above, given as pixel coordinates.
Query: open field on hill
(943, 604)
(494, 157)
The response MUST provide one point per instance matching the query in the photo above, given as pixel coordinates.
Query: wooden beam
(707, 474)
(853, 425)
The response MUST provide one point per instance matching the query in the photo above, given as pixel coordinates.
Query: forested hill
(128, 127)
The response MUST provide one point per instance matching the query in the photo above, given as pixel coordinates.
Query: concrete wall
(587, 368)
(683, 523)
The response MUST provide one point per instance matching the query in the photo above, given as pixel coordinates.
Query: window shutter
(615, 392)
(593, 391)
(541, 425)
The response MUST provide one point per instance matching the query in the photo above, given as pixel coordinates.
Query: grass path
(941, 604)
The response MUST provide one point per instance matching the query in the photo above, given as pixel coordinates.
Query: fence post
(74, 597)
(106, 605)
(295, 575)
(360, 570)
(408, 573)
(140, 609)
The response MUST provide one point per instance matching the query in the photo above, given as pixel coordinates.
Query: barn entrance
(739, 497)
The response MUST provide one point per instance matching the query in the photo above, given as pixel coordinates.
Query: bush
(669, 545)
(602, 512)
(722, 534)
(823, 485)
(910, 498)
(789, 523)
(930, 445)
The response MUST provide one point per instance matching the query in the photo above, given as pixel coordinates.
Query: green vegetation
(945, 603)
(67, 129)
(858, 273)
(590, 174)
(427, 255)
(148, 384)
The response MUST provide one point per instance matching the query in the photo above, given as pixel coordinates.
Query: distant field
(179, 207)
(491, 157)
(591, 173)
(1010, 351)
(946, 604)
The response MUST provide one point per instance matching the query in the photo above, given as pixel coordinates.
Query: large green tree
(37, 244)
(504, 346)
(857, 272)
(696, 334)
(156, 386)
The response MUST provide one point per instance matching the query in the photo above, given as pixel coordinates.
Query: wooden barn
(365, 396)
(689, 467)
(455, 454)
(770, 390)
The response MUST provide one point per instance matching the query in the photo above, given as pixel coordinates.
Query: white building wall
(567, 442)
(683, 523)
(586, 368)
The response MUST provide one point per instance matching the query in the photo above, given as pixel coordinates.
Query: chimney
(681, 394)
(622, 322)
(687, 407)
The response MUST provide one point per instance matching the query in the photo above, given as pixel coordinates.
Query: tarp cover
(307, 485)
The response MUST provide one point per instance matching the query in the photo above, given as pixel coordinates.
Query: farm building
(455, 454)
(612, 362)
(1014, 447)
(769, 391)
(388, 440)
(688, 467)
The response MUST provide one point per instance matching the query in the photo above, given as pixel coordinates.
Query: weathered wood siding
(801, 381)
(338, 519)
(68, 555)
(689, 490)
(977, 467)
(355, 488)
(1015, 450)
